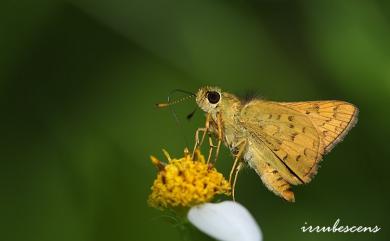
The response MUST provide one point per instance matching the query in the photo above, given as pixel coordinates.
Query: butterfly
(282, 141)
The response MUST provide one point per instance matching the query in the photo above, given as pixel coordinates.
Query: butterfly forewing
(288, 133)
(332, 119)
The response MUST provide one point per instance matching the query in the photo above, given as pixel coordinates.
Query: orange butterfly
(282, 141)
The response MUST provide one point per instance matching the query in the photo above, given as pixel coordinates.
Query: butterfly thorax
(229, 110)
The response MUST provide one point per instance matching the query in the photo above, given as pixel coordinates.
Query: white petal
(227, 221)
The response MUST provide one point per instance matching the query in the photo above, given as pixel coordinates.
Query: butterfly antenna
(170, 103)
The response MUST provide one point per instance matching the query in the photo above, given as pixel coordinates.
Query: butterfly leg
(241, 145)
(235, 179)
(237, 165)
(219, 132)
(204, 130)
(211, 148)
(197, 140)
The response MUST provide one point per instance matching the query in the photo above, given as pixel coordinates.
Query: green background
(78, 84)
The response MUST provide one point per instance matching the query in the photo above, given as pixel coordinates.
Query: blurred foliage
(78, 84)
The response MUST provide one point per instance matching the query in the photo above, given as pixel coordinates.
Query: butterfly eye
(213, 97)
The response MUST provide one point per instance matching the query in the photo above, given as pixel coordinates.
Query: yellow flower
(186, 182)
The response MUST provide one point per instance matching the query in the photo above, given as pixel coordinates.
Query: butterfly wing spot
(309, 153)
(329, 133)
(330, 127)
(293, 135)
(342, 116)
(304, 129)
(284, 158)
(271, 129)
(285, 184)
(298, 158)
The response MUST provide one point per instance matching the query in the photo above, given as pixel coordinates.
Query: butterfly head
(209, 99)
